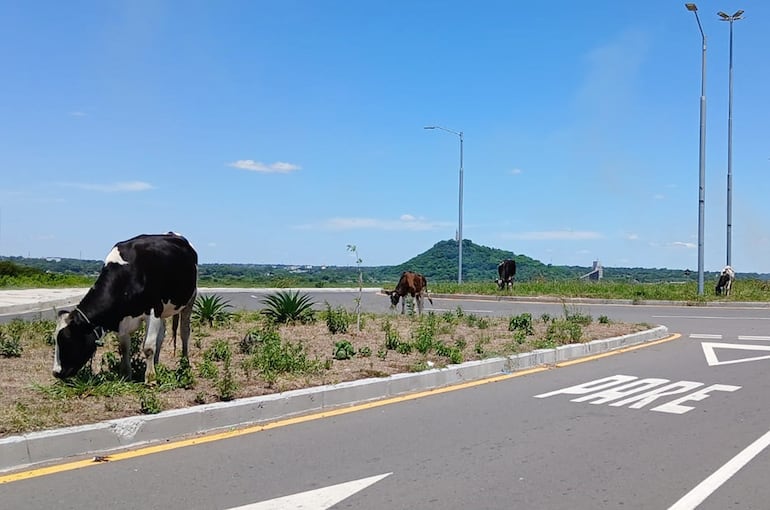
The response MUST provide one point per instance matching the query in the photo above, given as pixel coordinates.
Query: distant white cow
(725, 282)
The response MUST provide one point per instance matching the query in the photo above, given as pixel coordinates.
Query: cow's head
(394, 297)
(500, 283)
(75, 343)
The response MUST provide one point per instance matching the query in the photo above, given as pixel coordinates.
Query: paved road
(663, 426)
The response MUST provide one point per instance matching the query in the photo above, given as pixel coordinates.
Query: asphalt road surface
(678, 424)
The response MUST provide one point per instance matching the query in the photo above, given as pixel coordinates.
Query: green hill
(439, 263)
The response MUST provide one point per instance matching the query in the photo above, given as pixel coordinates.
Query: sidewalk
(33, 300)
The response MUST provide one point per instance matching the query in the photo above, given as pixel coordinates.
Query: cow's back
(147, 272)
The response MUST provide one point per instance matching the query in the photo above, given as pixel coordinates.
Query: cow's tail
(427, 292)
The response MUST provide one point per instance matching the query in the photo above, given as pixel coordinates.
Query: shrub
(10, 347)
(404, 348)
(254, 338)
(272, 356)
(344, 350)
(219, 351)
(564, 331)
(285, 307)
(337, 320)
(425, 335)
(449, 317)
(577, 317)
(392, 338)
(226, 386)
(210, 309)
(149, 402)
(208, 370)
(184, 374)
(521, 322)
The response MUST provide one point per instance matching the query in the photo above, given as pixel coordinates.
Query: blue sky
(283, 131)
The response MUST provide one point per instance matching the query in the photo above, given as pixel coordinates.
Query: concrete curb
(46, 446)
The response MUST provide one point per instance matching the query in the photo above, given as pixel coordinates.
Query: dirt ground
(25, 406)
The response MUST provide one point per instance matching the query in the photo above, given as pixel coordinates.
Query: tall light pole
(702, 151)
(734, 17)
(460, 205)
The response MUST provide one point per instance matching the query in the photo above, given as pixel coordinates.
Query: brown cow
(413, 284)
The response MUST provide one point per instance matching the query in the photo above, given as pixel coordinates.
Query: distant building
(596, 274)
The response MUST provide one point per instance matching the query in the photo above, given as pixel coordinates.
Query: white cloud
(554, 235)
(632, 236)
(279, 167)
(112, 187)
(515, 171)
(658, 196)
(681, 244)
(406, 222)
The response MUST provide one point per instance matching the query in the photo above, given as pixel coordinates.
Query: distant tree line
(438, 264)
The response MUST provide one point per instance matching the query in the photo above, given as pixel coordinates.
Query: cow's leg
(418, 298)
(184, 325)
(127, 326)
(156, 328)
(174, 328)
(403, 303)
(124, 347)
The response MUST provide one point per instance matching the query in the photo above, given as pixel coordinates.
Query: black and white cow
(725, 282)
(506, 270)
(412, 284)
(147, 278)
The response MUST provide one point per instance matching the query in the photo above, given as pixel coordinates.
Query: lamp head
(691, 7)
(723, 15)
(429, 127)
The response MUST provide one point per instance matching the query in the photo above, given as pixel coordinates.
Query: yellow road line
(164, 447)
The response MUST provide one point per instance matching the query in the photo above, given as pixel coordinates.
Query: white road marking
(712, 360)
(758, 338)
(317, 499)
(708, 486)
(705, 336)
(710, 317)
(610, 389)
(455, 309)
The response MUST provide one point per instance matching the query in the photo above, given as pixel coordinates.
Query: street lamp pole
(730, 19)
(460, 205)
(702, 150)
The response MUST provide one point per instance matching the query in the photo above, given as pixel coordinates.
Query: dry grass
(26, 406)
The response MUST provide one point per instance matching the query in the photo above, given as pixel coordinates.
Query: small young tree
(354, 250)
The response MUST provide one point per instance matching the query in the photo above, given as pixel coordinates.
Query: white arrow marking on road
(317, 499)
(712, 360)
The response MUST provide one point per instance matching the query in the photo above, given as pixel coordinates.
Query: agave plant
(210, 309)
(285, 307)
